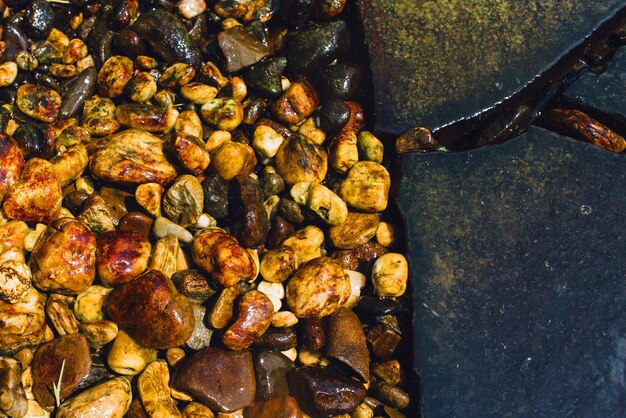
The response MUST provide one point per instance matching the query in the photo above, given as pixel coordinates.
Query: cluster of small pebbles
(194, 221)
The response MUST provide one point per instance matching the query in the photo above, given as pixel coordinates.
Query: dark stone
(193, 284)
(14, 37)
(338, 80)
(296, 12)
(601, 95)
(167, 37)
(271, 184)
(123, 12)
(99, 42)
(215, 191)
(78, 91)
(373, 306)
(383, 340)
(333, 115)
(246, 204)
(68, 352)
(321, 391)
(151, 311)
(279, 230)
(312, 333)
(312, 46)
(265, 77)
(517, 261)
(271, 369)
(220, 379)
(281, 406)
(39, 19)
(240, 48)
(281, 339)
(290, 210)
(129, 43)
(436, 64)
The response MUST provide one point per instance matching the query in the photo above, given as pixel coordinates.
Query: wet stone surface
(493, 49)
(517, 268)
(601, 95)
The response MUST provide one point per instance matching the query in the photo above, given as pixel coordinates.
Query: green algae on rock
(437, 62)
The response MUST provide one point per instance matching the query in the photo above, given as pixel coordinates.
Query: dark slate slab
(517, 256)
(437, 62)
(603, 95)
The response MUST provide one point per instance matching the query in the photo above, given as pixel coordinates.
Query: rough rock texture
(434, 63)
(517, 264)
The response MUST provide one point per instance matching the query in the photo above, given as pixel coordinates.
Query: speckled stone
(517, 262)
(436, 62)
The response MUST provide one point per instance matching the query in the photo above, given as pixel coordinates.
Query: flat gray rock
(518, 268)
(438, 62)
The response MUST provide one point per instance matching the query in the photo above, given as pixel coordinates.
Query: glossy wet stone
(321, 391)
(221, 379)
(240, 48)
(282, 406)
(265, 77)
(517, 264)
(166, 35)
(494, 49)
(271, 369)
(70, 352)
(315, 45)
(151, 311)
(599, 95)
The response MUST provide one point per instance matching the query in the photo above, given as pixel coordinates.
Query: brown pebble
(70, 352)
(221, 379)
(151, 311)
(280, 406)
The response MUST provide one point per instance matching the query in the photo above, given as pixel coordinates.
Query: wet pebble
(271, 368)
(11, 163)
(110, 399)
(64, 257)
(183, 202)
(321, 391)
(38, 19)
(337, 80)
(27, 325)
(133, 156)
(69, 352)
(167, 36)
(312, 46)
(115, 73)
(280, 406)
(151, 311)
(246, 205)
(38, 102)
(266, 76)
(240, 48)
(318, 288)
(121, 256)
(280, 339)
(357, 229)
(221, 379)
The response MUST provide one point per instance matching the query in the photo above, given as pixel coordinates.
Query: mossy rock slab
(603, 95)
(517, 266)
(438, 62)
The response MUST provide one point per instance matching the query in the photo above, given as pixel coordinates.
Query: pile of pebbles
(195, 222)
